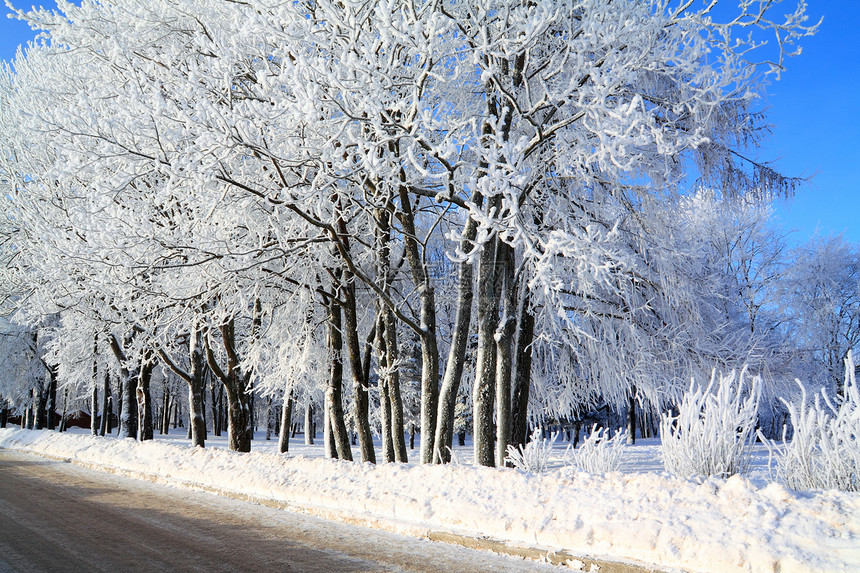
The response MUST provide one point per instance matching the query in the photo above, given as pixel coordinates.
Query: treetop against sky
(812, 109)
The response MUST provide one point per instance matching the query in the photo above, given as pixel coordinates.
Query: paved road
(56, 516)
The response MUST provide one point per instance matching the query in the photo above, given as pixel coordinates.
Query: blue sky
(814, 109)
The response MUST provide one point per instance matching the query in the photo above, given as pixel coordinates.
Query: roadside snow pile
(714, 525)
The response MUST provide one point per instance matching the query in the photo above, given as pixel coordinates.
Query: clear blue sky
(814, 108)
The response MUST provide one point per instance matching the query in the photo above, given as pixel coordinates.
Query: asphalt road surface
(55, 516)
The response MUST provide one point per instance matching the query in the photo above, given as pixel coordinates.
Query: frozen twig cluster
(714, 431)
(534, 456)
(824, 452)
(598, 453)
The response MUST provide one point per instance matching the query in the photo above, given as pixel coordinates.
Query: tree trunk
(483, 392)
(40, 402)
(238, 408)
(51, 413)
(252, 408)
(361, 406)
(309, 423)
(504, 350)
(269, 418)
(128, 385)
(128, 419)
(395, 399)
(239, 414)
(144, 399)
(328, 440)
(334, 392)
(94, 406)
(32, 410)
(522, 376)
(429, 372)
(164, 419)
(427, 333)
(196, 405)
(216, 407)
(94, 398)
(104, 427)
(286, 421)
(382, 386)
(65, 410)
(631, 416)
(456, 353)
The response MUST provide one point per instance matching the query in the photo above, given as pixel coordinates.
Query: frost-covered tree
(584, 103)
(823, 299)
(214, 175)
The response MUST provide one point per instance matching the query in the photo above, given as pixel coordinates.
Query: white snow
(712, 525)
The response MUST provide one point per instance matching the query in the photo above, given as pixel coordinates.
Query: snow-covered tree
(200, 175)
(822, 293)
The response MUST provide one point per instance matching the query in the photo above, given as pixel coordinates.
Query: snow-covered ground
(639, 514)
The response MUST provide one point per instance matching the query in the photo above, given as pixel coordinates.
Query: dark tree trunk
(456, 353)
(239, 414)
(390, 392)
(164, 418)
(522, 377)
(328, 436)
(238, 403)
(360, 385)
(252, 408)
(65, 410)
(128, 387)
(94, 406)
(286, 421)
(128, 419)
(385, 376)
(495, 283)
(270, 421)
(104, 428)
(427, 333)
(40, 402)
(94, 398)
(216, 407)
(631, 416)
(51, 414)
(505, 350)
(144, 399)
(339, 436)
(197, 393)
(398, 439)
(309, 424)
(484, 389)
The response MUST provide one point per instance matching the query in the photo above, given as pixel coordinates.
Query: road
(55, 516)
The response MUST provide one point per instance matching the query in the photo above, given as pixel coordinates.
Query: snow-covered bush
(598, 453)
(714, 431)
(534, 456)
(824, 452)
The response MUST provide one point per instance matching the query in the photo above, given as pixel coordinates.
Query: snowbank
(718, 525)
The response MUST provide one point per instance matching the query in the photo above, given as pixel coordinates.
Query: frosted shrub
(534, 456)
(714, 431)
(598, 453)
(824, 452)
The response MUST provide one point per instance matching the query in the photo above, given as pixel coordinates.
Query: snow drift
(711, 525)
